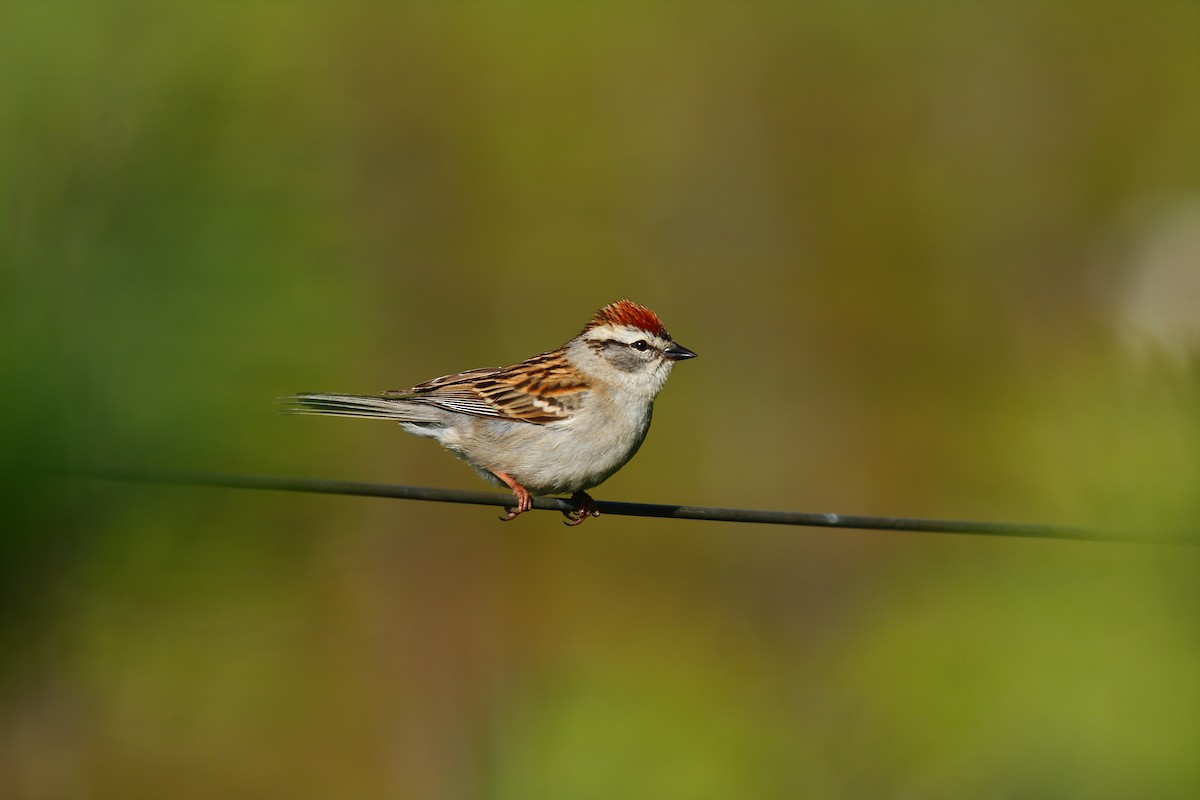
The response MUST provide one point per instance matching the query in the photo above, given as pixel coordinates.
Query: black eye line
(646, 346)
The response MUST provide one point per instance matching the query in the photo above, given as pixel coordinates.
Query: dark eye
(641, 345)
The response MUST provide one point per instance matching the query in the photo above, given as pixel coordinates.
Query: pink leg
(587, 508)
(524, 498)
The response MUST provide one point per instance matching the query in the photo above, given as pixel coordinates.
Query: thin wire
(854, 521)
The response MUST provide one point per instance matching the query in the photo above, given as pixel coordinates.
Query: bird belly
(557, 458)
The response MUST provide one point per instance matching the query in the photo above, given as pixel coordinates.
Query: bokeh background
(937, 259)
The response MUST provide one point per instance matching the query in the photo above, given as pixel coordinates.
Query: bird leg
(524, 498)
(587, 508)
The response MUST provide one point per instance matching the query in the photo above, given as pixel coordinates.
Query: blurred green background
(937, 259)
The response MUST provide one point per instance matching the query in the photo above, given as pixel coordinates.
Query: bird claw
(524, 500)
(587, 508)
(585, 505)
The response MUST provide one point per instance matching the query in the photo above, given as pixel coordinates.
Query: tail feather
(361, 406)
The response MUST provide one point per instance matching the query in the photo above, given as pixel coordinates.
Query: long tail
(362, 406)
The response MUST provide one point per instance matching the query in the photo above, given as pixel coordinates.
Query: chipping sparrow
(562, 421)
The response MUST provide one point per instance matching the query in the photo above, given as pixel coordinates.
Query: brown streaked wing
(540, 390)
(445, 380)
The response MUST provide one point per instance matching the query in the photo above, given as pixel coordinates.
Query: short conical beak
(677, 352)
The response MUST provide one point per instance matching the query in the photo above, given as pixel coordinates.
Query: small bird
(563, 421)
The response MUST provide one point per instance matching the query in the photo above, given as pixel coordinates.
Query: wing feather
(540, 390)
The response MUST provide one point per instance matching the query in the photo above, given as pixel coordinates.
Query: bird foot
(587, 508)
(524, 498)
